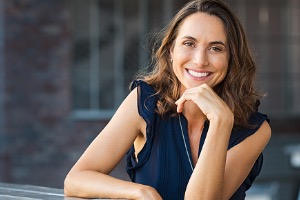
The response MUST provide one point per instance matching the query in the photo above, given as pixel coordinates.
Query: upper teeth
(198, 74)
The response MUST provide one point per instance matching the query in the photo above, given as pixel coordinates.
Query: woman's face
(200, 51)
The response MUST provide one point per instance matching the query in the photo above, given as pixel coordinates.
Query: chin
(188, 86)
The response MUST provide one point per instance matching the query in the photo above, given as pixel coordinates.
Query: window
(110, 39)
(107, 53)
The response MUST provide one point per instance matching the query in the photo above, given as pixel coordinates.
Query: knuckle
(205, 86)
(201, 89)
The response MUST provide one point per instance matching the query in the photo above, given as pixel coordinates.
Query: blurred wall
(38, 141)
(36, 91)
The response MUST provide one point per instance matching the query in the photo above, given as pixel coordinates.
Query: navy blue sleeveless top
(163, 163)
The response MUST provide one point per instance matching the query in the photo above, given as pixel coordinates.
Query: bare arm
(225, 177)
(241, 158)
(218, 172)
(89, 176)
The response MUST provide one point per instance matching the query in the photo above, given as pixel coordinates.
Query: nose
(200, 57)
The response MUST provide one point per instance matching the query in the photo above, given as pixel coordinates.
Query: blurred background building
(65, 66)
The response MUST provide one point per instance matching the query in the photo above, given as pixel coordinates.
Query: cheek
(224, 70)
(221, 65)
(177, 69)
(181, 53)
(224, 67)
(220, 62)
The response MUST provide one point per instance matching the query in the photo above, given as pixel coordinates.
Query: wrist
(224, 122)
(223, 119)
(145, 192)
(141, 191)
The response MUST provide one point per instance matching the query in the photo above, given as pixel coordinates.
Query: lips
(198, 74)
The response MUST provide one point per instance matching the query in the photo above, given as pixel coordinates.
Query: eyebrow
(213, 42)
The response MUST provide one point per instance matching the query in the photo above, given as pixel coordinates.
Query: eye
(217, 48)
(189, 44)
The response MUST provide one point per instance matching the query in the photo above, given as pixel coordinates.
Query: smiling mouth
(198, 74)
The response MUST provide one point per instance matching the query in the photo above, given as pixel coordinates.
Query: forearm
(207, 179)
(91, 184)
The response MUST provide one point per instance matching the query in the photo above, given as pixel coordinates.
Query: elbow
(68, 188)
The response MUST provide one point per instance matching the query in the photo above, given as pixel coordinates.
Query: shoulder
(143, 87)
(251, 146)
(257, 118)
(252, 141)
(262, 135)
(261, 126)
(258, 122)
(263, 132)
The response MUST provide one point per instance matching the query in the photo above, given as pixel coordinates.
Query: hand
(148, 193)
(208, 101)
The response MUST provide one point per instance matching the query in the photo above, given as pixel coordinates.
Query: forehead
(203, 26)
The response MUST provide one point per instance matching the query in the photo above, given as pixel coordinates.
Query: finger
(180, 105)
(180, 102)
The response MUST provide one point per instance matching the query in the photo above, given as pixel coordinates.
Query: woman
(190, 127)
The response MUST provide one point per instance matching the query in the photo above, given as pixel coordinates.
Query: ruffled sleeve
(147, 99)
(255, 121)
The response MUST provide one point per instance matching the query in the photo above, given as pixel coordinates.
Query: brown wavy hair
(237, 89)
